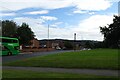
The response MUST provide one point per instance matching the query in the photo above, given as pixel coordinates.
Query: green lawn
(98, 59)
(31, 74)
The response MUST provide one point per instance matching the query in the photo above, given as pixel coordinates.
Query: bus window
(6, 40)
(9, 41)
(15, 41)
(4, 48)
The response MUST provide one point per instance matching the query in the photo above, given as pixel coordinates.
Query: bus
(9, 46)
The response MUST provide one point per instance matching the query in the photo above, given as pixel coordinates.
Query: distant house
(52, 43)
(35, 43)
(59, 43)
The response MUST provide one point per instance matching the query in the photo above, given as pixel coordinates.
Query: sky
(64, 17)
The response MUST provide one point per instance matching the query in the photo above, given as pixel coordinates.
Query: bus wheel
(9, 53)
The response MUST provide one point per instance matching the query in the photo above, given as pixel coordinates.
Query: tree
(9, 28)
(111, 33)
(89, 44)
(68, 45)
(25, 34)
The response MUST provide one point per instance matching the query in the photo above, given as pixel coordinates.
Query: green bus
(9, 46)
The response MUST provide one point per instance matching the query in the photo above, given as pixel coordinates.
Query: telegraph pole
(48, 31)
(119, 8)
(48, 39)
(74, 41)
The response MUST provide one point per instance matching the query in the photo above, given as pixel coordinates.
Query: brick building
(35, 43)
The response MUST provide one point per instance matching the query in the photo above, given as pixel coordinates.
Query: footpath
(99, 72)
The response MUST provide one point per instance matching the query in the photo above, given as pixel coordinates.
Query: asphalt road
(30, 54)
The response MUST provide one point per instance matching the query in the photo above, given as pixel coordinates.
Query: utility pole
(48, 31)
(74, 41)
(119, 8)
(48, 39)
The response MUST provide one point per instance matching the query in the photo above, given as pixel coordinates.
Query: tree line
(22, 32)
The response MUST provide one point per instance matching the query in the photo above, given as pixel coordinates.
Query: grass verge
(97, 59)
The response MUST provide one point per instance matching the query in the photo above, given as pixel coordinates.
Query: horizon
(69, 40)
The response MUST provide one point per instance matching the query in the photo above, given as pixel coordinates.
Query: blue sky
(65, 17)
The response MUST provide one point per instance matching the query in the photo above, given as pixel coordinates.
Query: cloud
(89, 28)
(55, 4)
(91, 13)
(30, 21)
(114, 0)
(95, 5)
(38, 21)
(95, 21)
(7, 14)
(48, 18)
(86, 29)
(35, 24)
(83, 12)
(46, 4)
(56, 24)
(80, 11)
(84, 6)
(38, 12)
(41, 30)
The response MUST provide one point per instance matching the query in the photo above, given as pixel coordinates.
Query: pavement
(64, 70)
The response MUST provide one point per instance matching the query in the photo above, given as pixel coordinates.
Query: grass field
(31, 74)
(97, 59)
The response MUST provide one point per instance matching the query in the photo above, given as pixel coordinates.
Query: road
(30, 54)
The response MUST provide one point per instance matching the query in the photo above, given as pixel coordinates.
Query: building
(60, 43)
(35, 43)
(52, 43)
